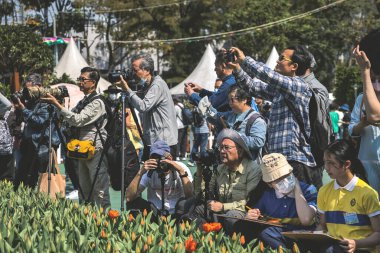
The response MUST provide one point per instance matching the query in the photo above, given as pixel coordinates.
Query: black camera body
(162, 167)
(207, 158)
(17, 95)
(230, 57)
(127, 74)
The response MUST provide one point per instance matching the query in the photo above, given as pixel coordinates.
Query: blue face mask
(143, 82)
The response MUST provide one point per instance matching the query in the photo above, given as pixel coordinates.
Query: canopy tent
(72, 62)
(203, 74)
(74, 92)
(272, 59)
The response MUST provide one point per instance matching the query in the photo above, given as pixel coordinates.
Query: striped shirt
(284, 133)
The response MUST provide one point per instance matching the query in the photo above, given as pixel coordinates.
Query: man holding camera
(89, 119)
(157, 106)
(219, 98)
(232, 182)
(35, 138)
(286, 88)
(167, 181)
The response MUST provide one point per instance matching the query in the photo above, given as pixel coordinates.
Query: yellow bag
(81, 150)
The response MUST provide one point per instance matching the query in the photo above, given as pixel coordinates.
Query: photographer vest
(90, 132)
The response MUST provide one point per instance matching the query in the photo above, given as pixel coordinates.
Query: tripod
(131, 164)
(207, 175)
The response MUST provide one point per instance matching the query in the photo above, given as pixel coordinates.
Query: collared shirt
(257, 133)
(158, 113)
(348, 209)
(278, 206)
(233, 187)
(219, 98)
(284, 133)
(85, 120)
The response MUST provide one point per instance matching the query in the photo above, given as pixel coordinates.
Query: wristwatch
(184, 175)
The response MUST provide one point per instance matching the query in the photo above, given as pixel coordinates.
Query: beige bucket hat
(274, 166)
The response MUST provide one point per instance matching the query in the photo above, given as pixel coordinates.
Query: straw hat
(274, 166)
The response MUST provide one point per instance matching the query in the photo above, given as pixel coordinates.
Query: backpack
(198, 119)
(113, 148)
(248, 126)
(187, 116)
(320, 123)
(6, 140)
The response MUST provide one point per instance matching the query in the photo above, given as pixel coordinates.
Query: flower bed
(32, 222)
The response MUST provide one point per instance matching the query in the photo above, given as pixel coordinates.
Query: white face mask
(286, 185)
(113, 96)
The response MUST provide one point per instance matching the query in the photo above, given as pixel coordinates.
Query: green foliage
(53, 79)
(346, 78)
(32, 222)
(22, 49)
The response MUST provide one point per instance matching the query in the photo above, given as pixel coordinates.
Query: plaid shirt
(284, 134)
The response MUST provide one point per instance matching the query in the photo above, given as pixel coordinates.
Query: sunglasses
(232, 99)
(82, 79)
(284, 58)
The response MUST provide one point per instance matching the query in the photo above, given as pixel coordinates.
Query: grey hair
(34, 78)
(147, 62)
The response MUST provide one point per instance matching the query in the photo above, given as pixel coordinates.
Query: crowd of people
(263, 162)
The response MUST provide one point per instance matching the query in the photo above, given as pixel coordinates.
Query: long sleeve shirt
(232, 187)
(158, 113)
(218, 99)
(37, 125)
(238, 122)
(284, 133)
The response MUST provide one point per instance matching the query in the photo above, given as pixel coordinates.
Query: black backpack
(187, 115)
(320, 123)
(198, 119)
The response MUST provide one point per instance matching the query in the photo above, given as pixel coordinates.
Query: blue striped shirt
(284, 134)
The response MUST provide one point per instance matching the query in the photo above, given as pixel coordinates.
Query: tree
(346, 78)
(22, 49)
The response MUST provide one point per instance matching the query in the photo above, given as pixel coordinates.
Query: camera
(164, 167)
(127, 75)
(207, 158)
(34, 93)
(230, 57)
(17, 95)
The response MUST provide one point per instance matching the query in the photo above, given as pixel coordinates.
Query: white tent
(72, 62)
(272, 59)
(203, 74)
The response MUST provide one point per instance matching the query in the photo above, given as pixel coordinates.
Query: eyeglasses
(232, 99)
(83, 79)
(226, 147)
(284, 58)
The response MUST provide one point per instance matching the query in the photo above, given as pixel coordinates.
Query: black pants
(27, 171)
(182, 142)
(7, 170)
(309, 175)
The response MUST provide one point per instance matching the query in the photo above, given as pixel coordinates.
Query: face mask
(142, 82)
(286, 185)
(113, 96)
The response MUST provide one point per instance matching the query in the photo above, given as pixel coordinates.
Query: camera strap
(237, 124)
